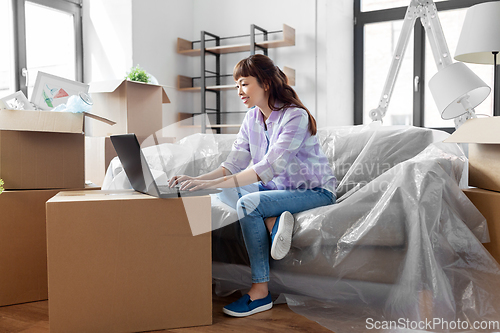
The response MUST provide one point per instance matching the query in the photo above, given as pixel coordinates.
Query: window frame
(73, 7)
(392, 14)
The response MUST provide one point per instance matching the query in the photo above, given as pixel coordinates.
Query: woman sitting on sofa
(290, 172)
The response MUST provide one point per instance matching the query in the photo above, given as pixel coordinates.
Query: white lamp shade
(480, 34)
(454, 82)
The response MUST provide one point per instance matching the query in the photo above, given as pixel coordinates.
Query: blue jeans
(254, 204)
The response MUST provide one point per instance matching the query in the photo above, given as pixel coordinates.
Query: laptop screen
(134, 163)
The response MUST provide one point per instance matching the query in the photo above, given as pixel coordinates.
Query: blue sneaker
(281, 235)
(246, 307)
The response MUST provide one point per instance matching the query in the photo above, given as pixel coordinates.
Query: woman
(278, 136)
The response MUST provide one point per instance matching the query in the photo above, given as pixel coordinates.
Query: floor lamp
(479, 41)
(455, 88)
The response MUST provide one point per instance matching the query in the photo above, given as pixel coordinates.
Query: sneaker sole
(261, 308)
(283, 239)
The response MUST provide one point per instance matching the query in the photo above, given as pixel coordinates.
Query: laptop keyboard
(165, 189)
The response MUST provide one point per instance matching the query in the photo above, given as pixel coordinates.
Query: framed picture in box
(51, 91)
(15, 101)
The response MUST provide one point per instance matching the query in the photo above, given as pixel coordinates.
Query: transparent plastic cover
(400, 251)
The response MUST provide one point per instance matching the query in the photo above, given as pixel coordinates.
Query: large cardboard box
(122, 261)
(23, 247)
(99, 152)
(41, 149)
(488, 203)
(483, 137)
(23, 251)
(136, 107)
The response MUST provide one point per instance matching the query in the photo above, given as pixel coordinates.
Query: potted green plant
(138, 74)
(1, 185)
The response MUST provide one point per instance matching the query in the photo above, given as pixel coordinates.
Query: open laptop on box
(139, 174)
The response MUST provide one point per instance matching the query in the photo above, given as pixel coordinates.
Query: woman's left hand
(196, 184)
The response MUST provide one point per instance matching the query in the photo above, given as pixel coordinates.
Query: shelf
(182, 116)
(185, 83)
(228, 87)
(185, 47)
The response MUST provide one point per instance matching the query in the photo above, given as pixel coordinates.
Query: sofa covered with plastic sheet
(401, 247)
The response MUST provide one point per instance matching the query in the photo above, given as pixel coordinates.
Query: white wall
(156, 26)
(335, 59)
(107, 39)
(322, 56)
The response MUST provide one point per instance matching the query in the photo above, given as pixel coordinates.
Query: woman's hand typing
(178, 180)
(194, 184)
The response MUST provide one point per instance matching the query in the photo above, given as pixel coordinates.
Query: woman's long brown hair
(267, 74)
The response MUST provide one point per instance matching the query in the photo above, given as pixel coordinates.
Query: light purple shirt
(294, 159)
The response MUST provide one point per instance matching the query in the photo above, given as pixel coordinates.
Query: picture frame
(15, 101)
(51, 90)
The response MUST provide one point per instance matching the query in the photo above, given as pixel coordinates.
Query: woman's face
(251, 93)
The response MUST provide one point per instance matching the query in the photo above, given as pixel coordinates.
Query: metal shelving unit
(185, 83)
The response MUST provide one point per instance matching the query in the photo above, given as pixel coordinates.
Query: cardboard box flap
(112, 85)
(77, 196)
(104, 120)
(477, 130)
(164, 97)
(41, 121)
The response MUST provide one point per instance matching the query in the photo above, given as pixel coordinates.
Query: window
(371, 5)
(376, 32)
(50, 42)
(41, 35)
(7, 85)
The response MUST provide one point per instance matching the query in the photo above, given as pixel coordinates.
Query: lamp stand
(496, 86)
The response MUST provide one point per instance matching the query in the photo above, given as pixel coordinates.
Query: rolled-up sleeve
(294, 132)
(239, 158)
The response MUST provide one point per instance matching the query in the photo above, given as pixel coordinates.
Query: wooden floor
(34, 318)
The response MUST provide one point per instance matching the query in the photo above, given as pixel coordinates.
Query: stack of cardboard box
(41, 153)
(484, 172)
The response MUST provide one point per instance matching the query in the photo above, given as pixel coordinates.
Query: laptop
(139, 174)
